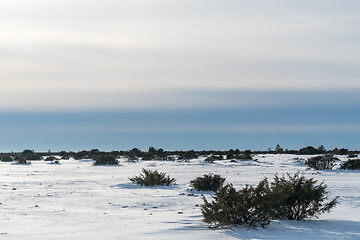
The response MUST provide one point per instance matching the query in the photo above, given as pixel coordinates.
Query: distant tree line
(161, 154)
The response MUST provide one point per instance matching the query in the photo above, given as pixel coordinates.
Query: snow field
(76, 200)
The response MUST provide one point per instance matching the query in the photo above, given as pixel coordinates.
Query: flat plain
(76, 200)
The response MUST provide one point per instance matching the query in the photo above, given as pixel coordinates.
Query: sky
(112, 75)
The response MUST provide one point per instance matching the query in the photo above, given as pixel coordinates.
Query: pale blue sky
(142, 59)
(292, 124)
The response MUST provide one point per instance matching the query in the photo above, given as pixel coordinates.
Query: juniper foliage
(208, 182)
(106, 160)
(351, 164)
(249, 206)
(293, 198)
(324, 162)
(298, 198)
(152, 178)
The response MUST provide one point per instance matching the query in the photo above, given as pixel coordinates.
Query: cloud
(265, 129)
(139, 54)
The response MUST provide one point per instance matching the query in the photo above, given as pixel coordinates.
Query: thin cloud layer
(91, 55)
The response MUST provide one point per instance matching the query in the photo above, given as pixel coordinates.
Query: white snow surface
(76, 200)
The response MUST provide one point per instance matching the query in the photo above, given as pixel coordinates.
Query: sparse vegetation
(351, 164)
(213, 158)
(324, 162)
(208, 182)
(152, 178)
(248, 206)
(50, 158)
(244, 156)
(230, 155)
(33, 157)
(6, 158)
(297, 198)
(160, 154)
(106, 160)
(20, 159)
(310, 150)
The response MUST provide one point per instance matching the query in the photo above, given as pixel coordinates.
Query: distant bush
(152, 178)
(106, 160)
(148, 156)
(230, 156)
(323, 162)
(351, 164)
(20, 159)
(81, 155)
(209, 182)
(50, 158)
(310, 150)
(352, 155)
(27, 152)
(244, 156)
(6, 159)
(132, 158)
(248, 206)
(214, 158)
(300, 161)
(33, 157)
(297, 198)
(170, 158)
(341, 151)
(279, 149)
(188, 155)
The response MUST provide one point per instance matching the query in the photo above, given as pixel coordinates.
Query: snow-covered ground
(76, 200)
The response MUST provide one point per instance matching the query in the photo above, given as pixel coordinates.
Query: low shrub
(20, 159)
(33, 157)
(297, 198)
(148, 156)
(243, 156)
(246, 155)
(248, 206)
(213, 158)
(6, 159)
(230, 156)
(351, 164)
(309, 150)
(106, 160)
(50, 158)
(132, 158)
(324, 162)
(209, 182)
(152, 178)
(300, 161)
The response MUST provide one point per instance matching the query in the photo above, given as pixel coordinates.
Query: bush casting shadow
(208, 182)
(152, 178)
(295, 198)
(106, 160)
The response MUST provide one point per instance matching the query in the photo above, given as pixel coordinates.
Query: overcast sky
(179, 74)
(92, 54)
